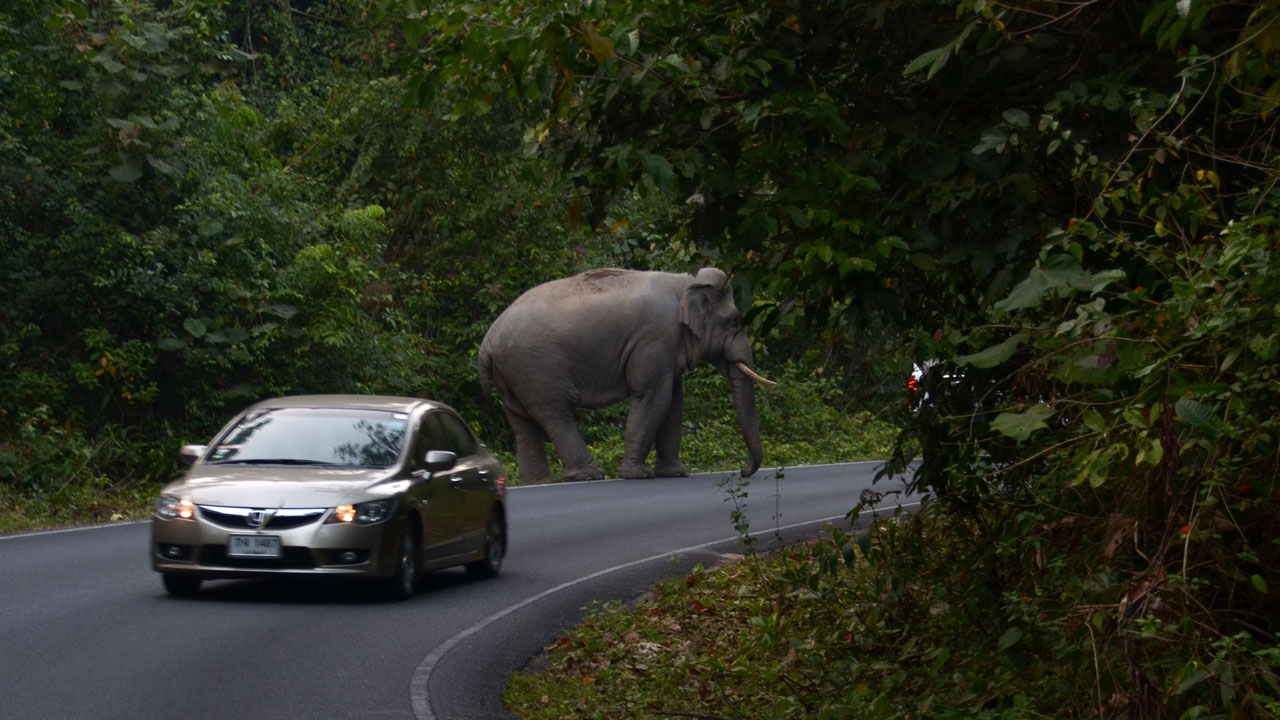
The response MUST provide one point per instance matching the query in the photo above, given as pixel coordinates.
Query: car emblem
(259, 518)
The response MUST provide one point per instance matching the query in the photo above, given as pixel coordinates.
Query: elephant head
(714, 334)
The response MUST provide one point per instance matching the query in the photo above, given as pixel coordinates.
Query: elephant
(608, 335)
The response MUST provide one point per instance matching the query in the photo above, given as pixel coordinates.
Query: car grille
(237, 518)
(291, 558)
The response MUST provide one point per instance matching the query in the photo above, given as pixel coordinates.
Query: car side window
(430, 437)
(458, 438)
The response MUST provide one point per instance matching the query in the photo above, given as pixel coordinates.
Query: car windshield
(314, 436)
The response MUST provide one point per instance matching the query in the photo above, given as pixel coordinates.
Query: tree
(1071, 205)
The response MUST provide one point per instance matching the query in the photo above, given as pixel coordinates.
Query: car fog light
(174, 552)
(348, 556)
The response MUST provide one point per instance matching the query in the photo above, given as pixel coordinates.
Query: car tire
(495, 547)
(181, 585)
(404, 580)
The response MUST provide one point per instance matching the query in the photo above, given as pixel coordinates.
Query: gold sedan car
(340, 486)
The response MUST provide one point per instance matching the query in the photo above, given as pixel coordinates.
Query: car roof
(388, 403)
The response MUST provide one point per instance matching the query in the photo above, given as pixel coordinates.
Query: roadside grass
(817, 630)
(691, 647)
(771, 635)
(55, 476)
(75, 504)
(798, 425)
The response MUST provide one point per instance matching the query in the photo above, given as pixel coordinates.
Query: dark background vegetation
(1070, 207)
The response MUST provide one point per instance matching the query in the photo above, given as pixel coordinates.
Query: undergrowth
(879, 625)
(57, 477)
(798, 426)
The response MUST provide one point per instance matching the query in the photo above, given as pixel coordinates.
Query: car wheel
(495, 547)
(181, 585)
(404, 580)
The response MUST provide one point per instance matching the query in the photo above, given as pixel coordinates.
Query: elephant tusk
(751, 374)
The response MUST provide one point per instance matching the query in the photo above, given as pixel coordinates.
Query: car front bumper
(199, 547)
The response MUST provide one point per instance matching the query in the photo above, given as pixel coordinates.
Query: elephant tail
(485, 366)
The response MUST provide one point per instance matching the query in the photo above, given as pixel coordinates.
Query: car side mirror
(189, 454)
(440, 460)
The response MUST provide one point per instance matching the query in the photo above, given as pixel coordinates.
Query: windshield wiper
(271, 461)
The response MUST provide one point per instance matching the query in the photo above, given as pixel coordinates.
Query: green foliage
(1071, 208)
(164, 266)
(878, 624)
(1112, 417)
(811, 631)
(799, 424)
(719, 107)
(787, 146)
(214, 202)
(77, 479)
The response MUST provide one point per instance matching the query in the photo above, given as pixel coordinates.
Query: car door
(440, 501)
(474, 488)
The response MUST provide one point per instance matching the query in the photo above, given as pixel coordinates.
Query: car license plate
(253, 546)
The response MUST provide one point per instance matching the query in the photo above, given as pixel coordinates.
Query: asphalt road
(86, 631)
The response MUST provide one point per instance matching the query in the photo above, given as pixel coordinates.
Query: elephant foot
(591, 472)
(675, 469)
(635, 470)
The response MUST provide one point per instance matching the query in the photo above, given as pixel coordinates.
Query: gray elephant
(607, 335)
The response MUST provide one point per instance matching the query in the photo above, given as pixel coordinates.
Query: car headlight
(365, 513)
(174, 508)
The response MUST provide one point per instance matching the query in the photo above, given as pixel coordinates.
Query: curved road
(87, 632)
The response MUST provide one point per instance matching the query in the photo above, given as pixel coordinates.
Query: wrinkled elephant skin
(609, 335)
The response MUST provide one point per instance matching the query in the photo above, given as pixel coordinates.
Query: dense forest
(1065, 212)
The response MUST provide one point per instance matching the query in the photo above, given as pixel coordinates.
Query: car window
(430, 436)
(317, 436)
(459, 438)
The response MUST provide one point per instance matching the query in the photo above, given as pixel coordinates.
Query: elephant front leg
(667, 443)
(644, 418)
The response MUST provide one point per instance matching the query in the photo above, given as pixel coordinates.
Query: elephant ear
(696, 305)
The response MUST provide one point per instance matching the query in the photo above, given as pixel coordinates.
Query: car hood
(287, 487)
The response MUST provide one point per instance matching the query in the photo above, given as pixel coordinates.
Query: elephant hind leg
(531, 450)
(572, 449)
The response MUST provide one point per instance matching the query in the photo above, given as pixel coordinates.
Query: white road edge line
(422, 675)
(99, 527)
(778, 468)
(78, 528)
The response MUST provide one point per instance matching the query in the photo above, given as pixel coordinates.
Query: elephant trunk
(744, 402)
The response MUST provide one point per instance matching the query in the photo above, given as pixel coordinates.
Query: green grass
(797, 427)
(840, 628)
(53, 476)
(84, 503)
(804, 632)
(691, 647)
